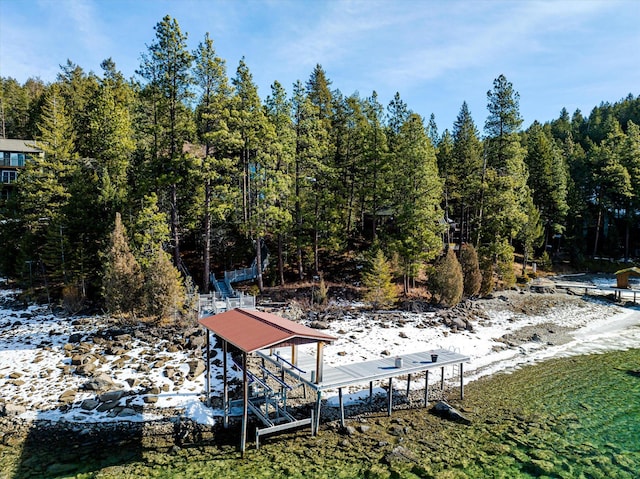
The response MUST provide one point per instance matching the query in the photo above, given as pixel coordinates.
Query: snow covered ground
(36, 368)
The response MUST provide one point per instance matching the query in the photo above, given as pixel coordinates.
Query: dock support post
(390, 397)
(408, 386)
(318, 407)
(461, 383)
(207, 382)
(370, 393)
(319, 362)
(442, 379)
(245, 404)
(426, 388)
(341, 402)
(225, 386)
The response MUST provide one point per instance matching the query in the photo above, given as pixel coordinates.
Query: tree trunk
(206, 256)
(595, 244)
(174, 225)
(280, 260)
(259, 263)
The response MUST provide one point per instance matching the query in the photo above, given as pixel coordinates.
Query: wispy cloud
(486, 33)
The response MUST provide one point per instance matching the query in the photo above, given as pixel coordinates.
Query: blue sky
(436, 54)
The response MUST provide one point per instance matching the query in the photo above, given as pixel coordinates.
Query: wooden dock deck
(339, 377)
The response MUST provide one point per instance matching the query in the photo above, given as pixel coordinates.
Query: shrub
(471, 275)
(381, 292)
(321, 293)
(164, 294)
(122, 278)
(446, 283)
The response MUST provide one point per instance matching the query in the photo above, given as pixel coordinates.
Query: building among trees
(14, 154)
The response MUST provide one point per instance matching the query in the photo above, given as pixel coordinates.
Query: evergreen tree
(122, 278)
(217, 169)
(279, 112)
(466, 173)
(163, 290)
(309, 135)
(167, 69)
(418, 192)
(77, 89)
(630, 159)
(547, 180)
(264, 184)
(376, 185)
(472, 277)
(380, 290)
(111, 137)
(42, 189)
(504, 193)
(150, 231)
(446, 283)
(324, 178)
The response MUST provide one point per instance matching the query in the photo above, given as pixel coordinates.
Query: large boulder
(101, 382)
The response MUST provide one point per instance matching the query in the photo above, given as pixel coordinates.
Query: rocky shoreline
(91, 351)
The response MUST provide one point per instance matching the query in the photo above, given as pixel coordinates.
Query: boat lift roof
(253, 330)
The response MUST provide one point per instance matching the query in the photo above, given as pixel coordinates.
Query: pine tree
(547, 180)
(504, 193)
(122, 279)
(264, 185)
(217, 169)
(279, 112)
(163, 291)
(446, 283)
(376, 185)
(418, 192)
(309, 134)
(472, 277)
(167, 69)
(324, 178)
(466, 173)
(150, 231)
(380, 290)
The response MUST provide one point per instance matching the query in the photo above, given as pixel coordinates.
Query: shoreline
(510, 330)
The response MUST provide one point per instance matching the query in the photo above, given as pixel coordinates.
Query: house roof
(18, 146)
(254, 330)
(633, 271)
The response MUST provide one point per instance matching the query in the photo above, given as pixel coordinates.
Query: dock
(385, 369)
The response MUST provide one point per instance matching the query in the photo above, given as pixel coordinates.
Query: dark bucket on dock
(434, 358)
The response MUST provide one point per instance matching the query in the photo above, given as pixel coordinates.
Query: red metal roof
(254, 330)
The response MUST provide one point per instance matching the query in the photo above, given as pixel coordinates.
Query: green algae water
(576, 417)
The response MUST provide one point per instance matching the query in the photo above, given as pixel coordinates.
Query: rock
(150, 399)
(111, 396)
(8, 409)
(127, 412)
(107, 406)
(449, 412)
(196, 368)
(75, 338)
(319, 325)
(89, 404)
(15, 375)
(68, 396)
(400, 454)
(85, 369)
(363, 428)
(349, 430)
(99, 383)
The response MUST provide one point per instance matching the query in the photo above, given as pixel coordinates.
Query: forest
(149, 184)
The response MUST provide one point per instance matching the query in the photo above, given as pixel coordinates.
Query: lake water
(570, 418)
